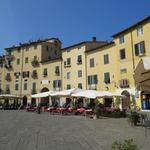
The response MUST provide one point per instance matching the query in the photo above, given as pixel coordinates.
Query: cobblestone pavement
(20, 130)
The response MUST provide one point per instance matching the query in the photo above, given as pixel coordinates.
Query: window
(34, 86)
(92, 79)
(140, 31)
(45, 72)
(57, 70)
(7, 89)
(68, 61)
(123, 71)
(106, 59)
(68, 86)
(25, 86)
(26, 60)
(92, 62)
(79, 73)
(68, 75)
(140, 49)
(16, 86)
(79, 59)
(121, 39)
(122, 54)
(80, 85)
(56, 84)
(26, 74)
(18, 61)
(107, 77)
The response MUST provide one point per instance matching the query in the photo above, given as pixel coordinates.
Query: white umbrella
(43, 94)
(9, 96)
(66, 92)
(92, 94)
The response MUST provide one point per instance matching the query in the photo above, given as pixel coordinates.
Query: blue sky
(70, 20)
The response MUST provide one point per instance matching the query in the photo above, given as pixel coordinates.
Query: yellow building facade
(43, 65)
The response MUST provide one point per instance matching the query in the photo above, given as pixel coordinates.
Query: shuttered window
(140, 48)
(92, 79)
(107, 77)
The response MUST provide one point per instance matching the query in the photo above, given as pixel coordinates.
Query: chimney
(94, 39)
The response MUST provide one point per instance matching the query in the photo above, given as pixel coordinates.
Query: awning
(66, 92)
(142, 74)
(146, 63)
(9, 96)
(43, 94)
(92, 94)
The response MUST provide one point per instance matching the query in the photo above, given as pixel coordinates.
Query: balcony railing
(8, 78)
(8, 66)
(9, 57)
(124, 83)
(92, 87)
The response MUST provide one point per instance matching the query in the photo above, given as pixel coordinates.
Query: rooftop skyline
(70, 21)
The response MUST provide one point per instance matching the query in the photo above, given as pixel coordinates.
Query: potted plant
(96, 112)
(134, 118)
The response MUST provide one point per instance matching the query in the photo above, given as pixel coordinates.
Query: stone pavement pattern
(20, 130)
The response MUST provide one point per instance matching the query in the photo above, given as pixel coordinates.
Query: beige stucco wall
(74, 80)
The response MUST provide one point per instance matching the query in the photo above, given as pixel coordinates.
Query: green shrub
(125, 145)
(134, 118)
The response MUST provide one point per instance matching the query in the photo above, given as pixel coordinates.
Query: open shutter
(95, 79)
(136, 50)
(142, 47)
(89, 80)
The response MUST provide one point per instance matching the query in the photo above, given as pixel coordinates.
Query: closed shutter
(54, 83)
(95, 79)
(89, 80)
(136, 50)
(59, 83)
(142, 47)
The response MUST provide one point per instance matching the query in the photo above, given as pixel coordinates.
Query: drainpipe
(133, 59)
(85, 70)
(21, 73)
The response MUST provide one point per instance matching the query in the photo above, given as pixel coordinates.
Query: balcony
(7, 91)
(92, 87)
(124, 83)
(9, 57)
(8, 66)
(8, 78)
(35, 63)
(34, 74)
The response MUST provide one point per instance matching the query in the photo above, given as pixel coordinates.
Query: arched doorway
(44, 100)
(24, 101)
(126, 99)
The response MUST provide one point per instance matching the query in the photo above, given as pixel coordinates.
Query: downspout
(21, 73)
(85, 70)
(133, 60)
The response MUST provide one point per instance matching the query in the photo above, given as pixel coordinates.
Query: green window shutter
(95, 79)
(136, 50)
(54, 84)
(89, 80)
(142, 47)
